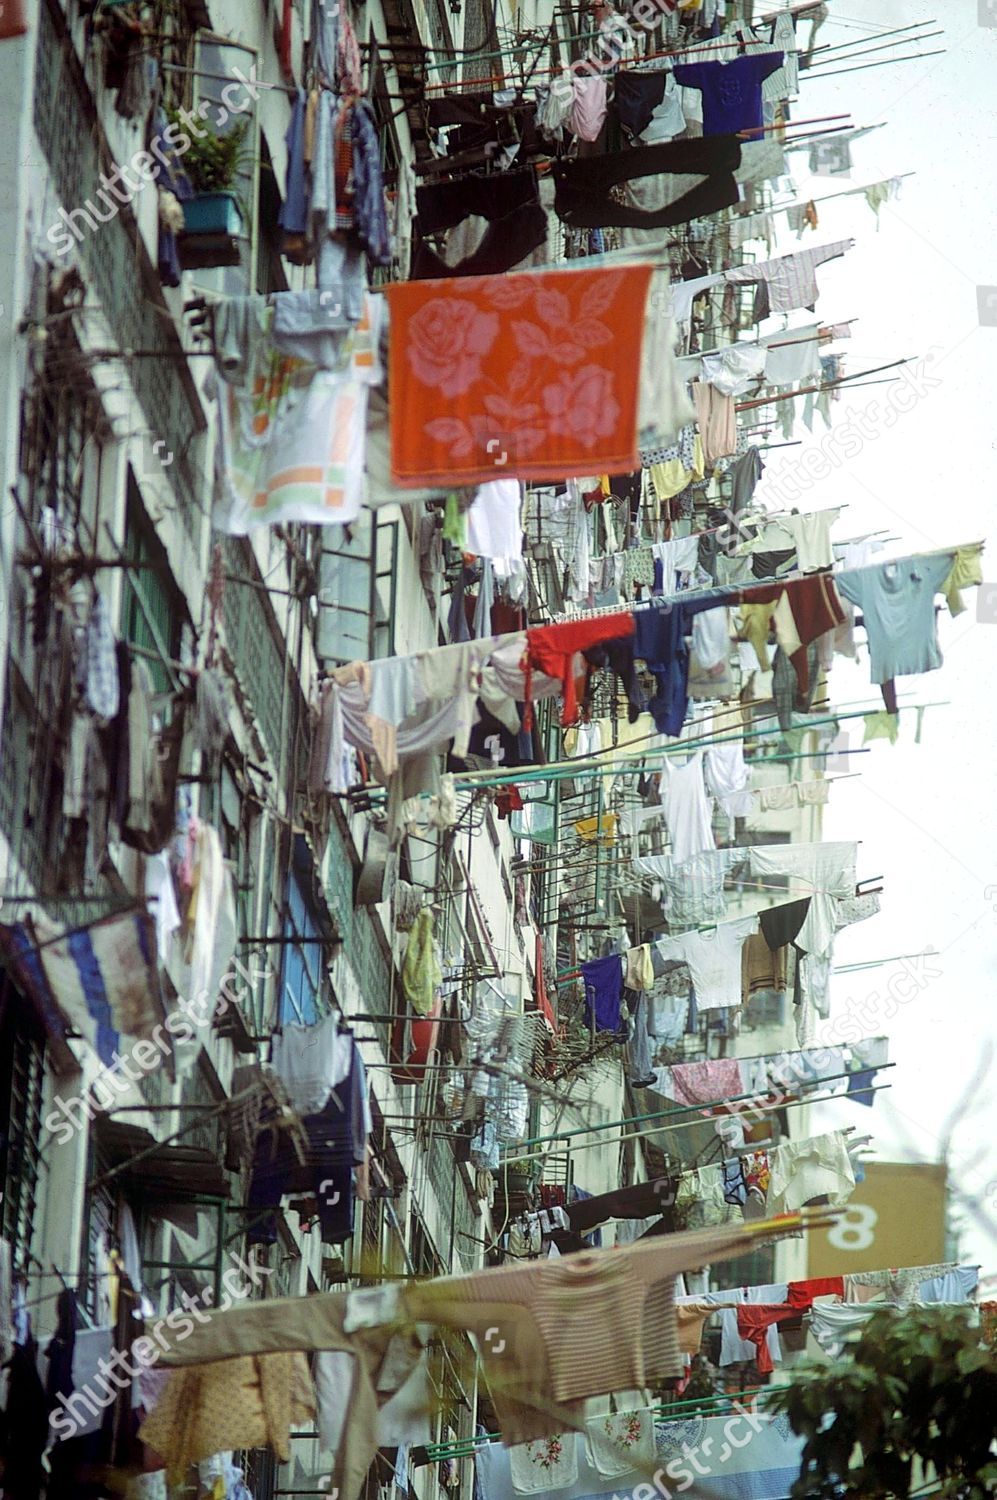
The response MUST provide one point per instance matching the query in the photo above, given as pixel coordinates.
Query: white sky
(926, 814)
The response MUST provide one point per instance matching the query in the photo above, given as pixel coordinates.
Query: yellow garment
(754, 627)
(881, 726)
(672, 477)
(249, 1402)
(603, 828)
(643, 729)
(638, 973)
(669, 479)
(966, 570)
(421, 974)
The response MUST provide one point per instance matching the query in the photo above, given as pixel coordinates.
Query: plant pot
(213, 222)
(212, 213)
(514, 1182)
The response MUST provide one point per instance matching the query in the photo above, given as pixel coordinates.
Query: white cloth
(372, 1307)
(333, 1389)
(714, 960)
(833, 1324)
(549, 1463)
(736, 369)
(727, 774)
(684, 293)
(811, 535)
(824, 867)
(668, 119)
(693, 891)
(687, 808)
(664, 403)
(494, 528)
(91, 1346)
(462, 674)
(616, 1442)
(407, 1416)
(214, 938)
(679, 558)
(160, 889)
(711, 636)
(311, 1061)
(819, 926)
(794, 357)
(760, 160)
(872, 1051)
(801, 1170)
(328, 767)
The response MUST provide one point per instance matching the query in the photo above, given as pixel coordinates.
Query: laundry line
(707, 1118)
(632, 761)
(466, 1447)
(705, 1107)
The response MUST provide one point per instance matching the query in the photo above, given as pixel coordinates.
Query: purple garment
(860, 1084)
(732, 91)
(603, 992)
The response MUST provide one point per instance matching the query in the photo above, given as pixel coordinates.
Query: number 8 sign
(857, 1230)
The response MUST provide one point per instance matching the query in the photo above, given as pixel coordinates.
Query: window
(356, 599)
(303, 958)
(270, 275)
(62, 432)
(22, 1071)
(152, 611)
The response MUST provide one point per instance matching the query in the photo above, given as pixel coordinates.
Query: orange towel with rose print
(533, 375)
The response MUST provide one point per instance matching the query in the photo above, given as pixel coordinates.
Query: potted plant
(516, 1176)
(214, 217)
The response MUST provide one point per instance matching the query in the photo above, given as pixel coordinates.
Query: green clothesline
(465, 1447)
(590, 766)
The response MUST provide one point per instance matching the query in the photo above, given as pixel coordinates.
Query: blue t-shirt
(732, 91)
(897, 600)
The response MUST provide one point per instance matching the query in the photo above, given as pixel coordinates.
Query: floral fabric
(520, 374)
(620, 1441)
(549, 1463)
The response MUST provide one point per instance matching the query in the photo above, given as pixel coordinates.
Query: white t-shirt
(714, 960)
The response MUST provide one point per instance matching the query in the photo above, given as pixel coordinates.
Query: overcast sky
(926, 813)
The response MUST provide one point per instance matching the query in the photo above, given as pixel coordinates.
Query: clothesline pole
(866, 51)
(754, 130)
(466, 1447)
(875, 963)
(633, 760)
(830, 198)
(876, 36)
(884, 62)
(704, 1110)
(682, 1109)
(811, 390)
